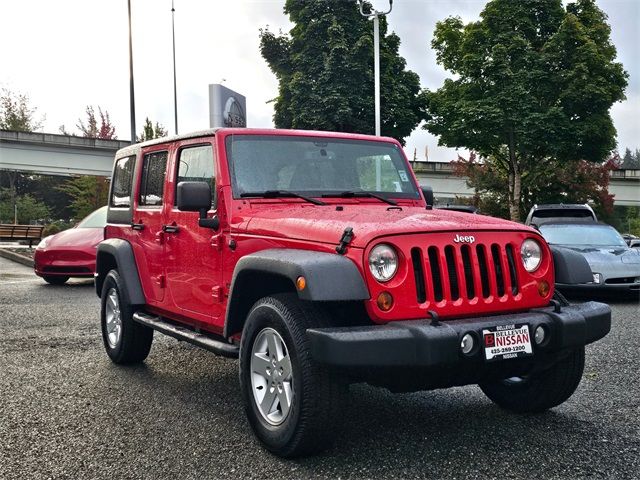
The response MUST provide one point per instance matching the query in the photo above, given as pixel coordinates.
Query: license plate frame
(505, 342)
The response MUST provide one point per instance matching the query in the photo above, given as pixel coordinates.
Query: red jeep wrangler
(314, 257)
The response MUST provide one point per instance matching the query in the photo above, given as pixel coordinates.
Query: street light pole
(132, 103)
(175, 85)
(375, 15)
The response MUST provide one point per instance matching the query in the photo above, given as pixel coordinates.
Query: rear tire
(125, 340)
(55, 280)
(293, 404)
(539, 391)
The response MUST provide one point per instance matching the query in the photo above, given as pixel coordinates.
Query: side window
(196, 164)
(122, 177)
(152, 183)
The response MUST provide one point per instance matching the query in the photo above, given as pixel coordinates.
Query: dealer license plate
(506, 341)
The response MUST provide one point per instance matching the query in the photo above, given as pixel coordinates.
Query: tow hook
(347, 236)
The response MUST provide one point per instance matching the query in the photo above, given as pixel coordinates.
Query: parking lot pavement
(67, 412)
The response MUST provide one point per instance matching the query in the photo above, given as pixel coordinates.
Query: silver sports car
(614, 265)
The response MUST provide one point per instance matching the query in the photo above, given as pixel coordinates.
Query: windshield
(97, 219)
(315, 166)
(577, 235)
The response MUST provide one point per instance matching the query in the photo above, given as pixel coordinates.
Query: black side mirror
(428, 196)
(196, 197)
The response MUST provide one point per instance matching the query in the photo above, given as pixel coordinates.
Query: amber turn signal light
(301, 283)
(543, 288)
(385, 301)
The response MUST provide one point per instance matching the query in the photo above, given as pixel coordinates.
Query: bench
(21, 232)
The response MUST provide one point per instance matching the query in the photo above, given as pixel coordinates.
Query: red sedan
(71, 253)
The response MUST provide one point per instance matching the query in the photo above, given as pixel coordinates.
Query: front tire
(539, 391)
(125, 340)
(55, 280)
(292, 403)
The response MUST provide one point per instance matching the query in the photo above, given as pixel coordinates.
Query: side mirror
(428, 196)
(193, 196)
(196, 197)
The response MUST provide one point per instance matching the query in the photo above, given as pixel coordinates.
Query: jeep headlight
(531, 253)
(383, 262)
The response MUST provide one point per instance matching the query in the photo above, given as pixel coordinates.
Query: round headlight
(383, 262)
(531, 253)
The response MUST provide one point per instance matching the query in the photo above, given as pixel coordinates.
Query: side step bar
(216, 346)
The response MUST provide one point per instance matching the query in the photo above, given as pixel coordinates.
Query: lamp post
(175, 86)
(132, 103)
(375, 15)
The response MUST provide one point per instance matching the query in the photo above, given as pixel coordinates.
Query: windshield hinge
(347, 236)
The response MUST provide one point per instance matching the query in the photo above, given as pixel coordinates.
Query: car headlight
(531, 253)
(43, 242)
(383, 262)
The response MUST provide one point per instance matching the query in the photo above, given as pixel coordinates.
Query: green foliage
(55, 227)
(87, 194)
(16, 114)
(29, 209)
(325, 71)
(631, 160)
(534, 85)
(149, 131)
(558, 182)
(45, 189)
(91, 129)
(627, 219)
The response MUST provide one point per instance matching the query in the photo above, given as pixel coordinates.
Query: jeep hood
(325, 224)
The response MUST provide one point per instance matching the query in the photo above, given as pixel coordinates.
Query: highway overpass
(50, 154)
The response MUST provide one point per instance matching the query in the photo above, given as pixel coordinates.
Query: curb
(16, 258)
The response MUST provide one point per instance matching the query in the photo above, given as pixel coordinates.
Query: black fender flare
(571, 268)
(329, 278)
(118, 253)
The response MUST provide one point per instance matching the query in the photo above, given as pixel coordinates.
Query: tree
(16, 114)
(149, 131)
(631, 161)
(91, 129)
(534, 86)
(27, 207)
(325, 71)
(87, 194)
(570, 182)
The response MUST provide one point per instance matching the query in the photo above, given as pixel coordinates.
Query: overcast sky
(67, 54)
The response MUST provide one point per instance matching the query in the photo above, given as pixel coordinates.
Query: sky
(68, 54)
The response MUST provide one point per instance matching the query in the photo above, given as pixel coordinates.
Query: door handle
(137, 226)
(170, 228)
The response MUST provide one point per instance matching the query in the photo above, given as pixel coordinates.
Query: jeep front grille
(464, 271)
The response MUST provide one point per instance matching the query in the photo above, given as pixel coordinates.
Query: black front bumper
(419, 343)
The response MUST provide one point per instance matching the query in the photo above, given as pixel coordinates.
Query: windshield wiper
(281, 194)
(352, 194)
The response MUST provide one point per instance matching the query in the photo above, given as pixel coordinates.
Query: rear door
(148, 222)
(194, 253)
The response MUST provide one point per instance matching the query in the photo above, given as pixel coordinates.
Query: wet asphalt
(67, 412)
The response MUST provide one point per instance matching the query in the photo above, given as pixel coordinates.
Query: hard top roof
(135, 148)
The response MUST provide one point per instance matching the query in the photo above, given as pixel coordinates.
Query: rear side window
(196, 165)
(122, 177)
(154, 169)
